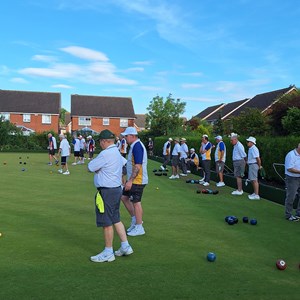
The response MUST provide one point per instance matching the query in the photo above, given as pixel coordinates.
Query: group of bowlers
(181, 158)
(109, 171)
(186, 160)
(81, 146)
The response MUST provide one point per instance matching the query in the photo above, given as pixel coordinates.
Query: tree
(291, 122)
(279, 109)
(251, 122)
(218, 127)
(62, 115)
(164, 116)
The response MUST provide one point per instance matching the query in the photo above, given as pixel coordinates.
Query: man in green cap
(107, 167)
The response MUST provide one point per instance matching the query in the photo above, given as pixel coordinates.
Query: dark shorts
(111, 215)
(175, 161)
(81, 153)
(76, 153)
(51, 151)
(63, 160)
(136, 192)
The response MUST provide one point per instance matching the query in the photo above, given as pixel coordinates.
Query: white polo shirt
(292, 160)
(176, 150)
(253, 153)
(183, 150)
(65, 147)
(107, 167)
(238, 152)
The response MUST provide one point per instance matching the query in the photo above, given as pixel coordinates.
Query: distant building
(263, 102)
(140, 122)
(31, 111)
(96, 113)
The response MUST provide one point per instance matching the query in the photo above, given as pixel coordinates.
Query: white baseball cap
(129, 131)
(251, 139)
(170, 139)
(205, 136)
(233, 135)
(218, 137)
(192, 150)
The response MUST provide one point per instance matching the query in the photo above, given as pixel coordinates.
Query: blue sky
(201, 51)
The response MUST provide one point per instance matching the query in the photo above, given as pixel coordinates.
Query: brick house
(37, 111)
(101, 112)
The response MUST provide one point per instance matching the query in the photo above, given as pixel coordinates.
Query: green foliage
(291, 122)
(251, 122)
(62, 115)
(280, 109)
(164, 116)
(218, 127)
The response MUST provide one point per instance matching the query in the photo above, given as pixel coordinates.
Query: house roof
(263, 101)
(208, 111)
(224, 110)
(29, 102)
(140, 121)
(102, 106)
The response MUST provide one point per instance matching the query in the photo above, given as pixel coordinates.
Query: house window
(123, 122)
(84, 121)
(46, 119)
(26, 118)
(105, 121)
(5, 116)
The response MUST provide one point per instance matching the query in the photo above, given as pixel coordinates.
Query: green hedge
(272, 150)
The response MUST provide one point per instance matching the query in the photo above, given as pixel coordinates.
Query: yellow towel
(100, 203)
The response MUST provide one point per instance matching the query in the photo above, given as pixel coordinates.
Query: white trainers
(66, 173)
(137, 230)
(172, 177)
(188, 171)
(103, 257)
(220, 184)
(162, 168)
(254, 197)
(74, 164)
(60, 171)
(205, 184)
(124, 251)
(132, 225)
(176, 176)
(237, 192)
(182, 174)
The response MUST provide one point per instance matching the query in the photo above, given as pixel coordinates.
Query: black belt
(107, 188)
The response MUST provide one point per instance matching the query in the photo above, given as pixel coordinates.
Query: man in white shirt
(239, 158)
(254, 165)
(292, 181)
(64, 151)
(107, 167)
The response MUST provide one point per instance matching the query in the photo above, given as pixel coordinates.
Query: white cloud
(44, 58)
(62, 86)
(85, 53)
(96, 72)
(191, 85)
(18, 80)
